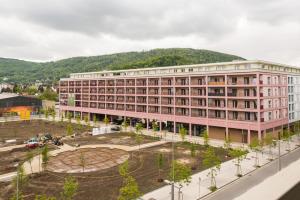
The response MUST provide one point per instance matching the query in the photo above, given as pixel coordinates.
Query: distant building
(6, 86)
(14, 104)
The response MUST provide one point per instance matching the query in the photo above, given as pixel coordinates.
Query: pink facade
(232, 103)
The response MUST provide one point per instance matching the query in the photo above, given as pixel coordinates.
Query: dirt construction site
(98, 178)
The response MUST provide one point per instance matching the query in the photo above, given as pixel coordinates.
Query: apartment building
(241, 100)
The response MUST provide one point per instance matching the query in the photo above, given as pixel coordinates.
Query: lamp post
(173, 172)
(279, 154)
(199, 186)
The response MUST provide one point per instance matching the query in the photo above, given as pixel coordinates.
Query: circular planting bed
(86, 160)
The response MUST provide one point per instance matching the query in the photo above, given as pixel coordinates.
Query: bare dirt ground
(87, 160)
(105, 184)
(122, 138)
(10, 159)
(24, 130)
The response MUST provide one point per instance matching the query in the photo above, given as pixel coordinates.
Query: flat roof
(193, 65)
(8, 95)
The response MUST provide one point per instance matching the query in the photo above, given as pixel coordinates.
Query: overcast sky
(44, 30)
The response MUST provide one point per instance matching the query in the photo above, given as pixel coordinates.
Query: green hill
(20, 71)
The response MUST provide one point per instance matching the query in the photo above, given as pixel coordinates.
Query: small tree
(180, 174)
(125, 124)
(239, 155)
(69, 129)
(138, 134)
(29, 158)
(106, 120)
(78, 121)
(227, 143)
(155, 127)
(46, 112)
(256, 147)
(18, 183)
(62, 118)
(297, 130)
(94, 120)
(69, 117)
(86, 120)
(269, 141)
(70, 188)
(160, 164)
(182, 132)
(213, 162)
(53, 114)
(82, 161)
(45, 156)
(286, 136)
(205, 138)
(193, 150)
(130, 189)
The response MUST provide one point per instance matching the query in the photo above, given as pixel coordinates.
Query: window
(169, 91)
(270, 115)
(246, 80)
(217, 103)
(269, 92)
(169, 82)
(183, 81)
(247, 104)
(247, 116)
(183, 92)
(234, 103)
(169, 110)
(155, 91)
(200, 92)
(169, 101)
(200, 81)
(217, 113)
(246, 92)
(234, 80)
(269, 80)
(269, 104)
(235, 115)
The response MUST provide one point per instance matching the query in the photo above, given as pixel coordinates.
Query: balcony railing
(216, 94)
(216, 83)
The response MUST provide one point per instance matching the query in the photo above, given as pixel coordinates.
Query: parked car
(32, 143)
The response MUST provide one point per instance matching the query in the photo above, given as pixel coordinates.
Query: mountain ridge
(22, 71)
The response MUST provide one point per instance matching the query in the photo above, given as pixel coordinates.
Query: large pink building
(240, 100)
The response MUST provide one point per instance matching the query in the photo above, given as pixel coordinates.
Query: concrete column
(207, 129)
(195, 130)
(259, 135)
(80, 115)
(226, 133)
(249, 137)
(147, 124)
(160, 126)
(190, 129)
(174, 127)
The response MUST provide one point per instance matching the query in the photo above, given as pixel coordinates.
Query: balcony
(216, 83)
(232, 94)
(216, 94)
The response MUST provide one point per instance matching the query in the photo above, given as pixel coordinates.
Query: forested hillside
(20, 71)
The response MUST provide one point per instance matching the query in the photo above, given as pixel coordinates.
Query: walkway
(36, 164)
(280, 182)
(225, 177)
(8, 148)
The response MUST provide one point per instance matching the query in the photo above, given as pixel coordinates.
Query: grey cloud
(133, 19)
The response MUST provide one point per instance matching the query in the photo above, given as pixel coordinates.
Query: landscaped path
(8, 148)
(226, 177)
(36, 164)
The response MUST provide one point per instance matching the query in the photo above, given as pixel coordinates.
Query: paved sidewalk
(8, 148)
(280, 183)
(226, 176)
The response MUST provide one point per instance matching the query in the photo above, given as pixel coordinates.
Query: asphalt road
(243, 184)
(292, 194)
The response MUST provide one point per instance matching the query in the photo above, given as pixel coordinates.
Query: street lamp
(279, 156)
(199, 186)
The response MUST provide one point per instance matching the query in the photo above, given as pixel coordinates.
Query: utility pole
(17, 195)
(173, 172)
